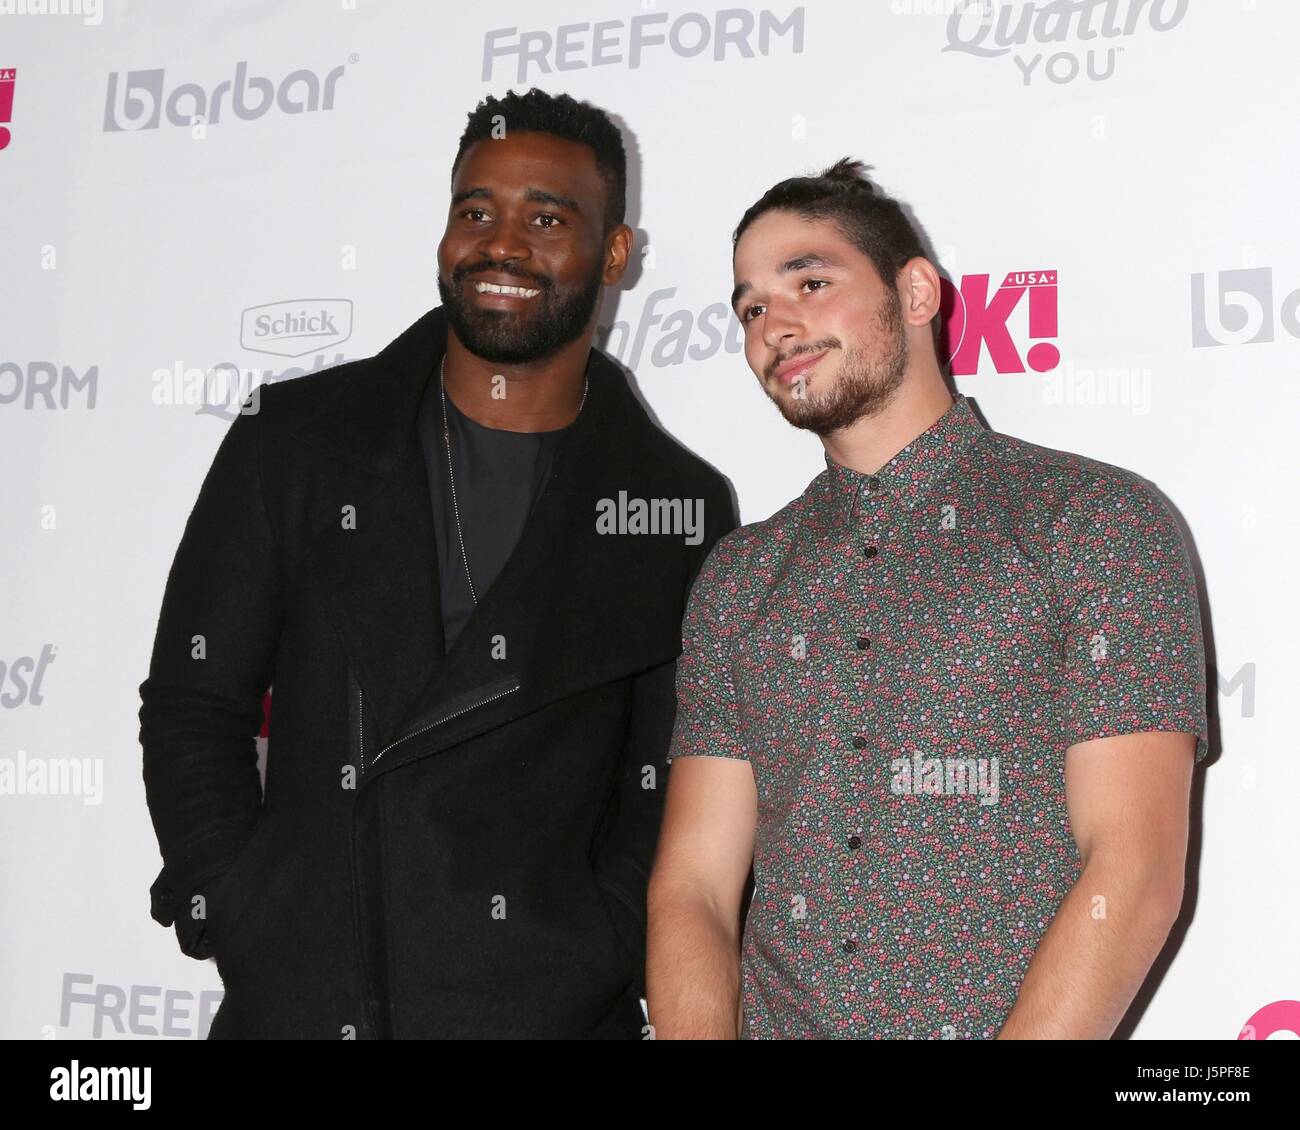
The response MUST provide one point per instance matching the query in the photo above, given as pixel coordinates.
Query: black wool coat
(447, 845)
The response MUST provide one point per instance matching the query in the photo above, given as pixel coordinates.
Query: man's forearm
(692, 968)
(1094, 957)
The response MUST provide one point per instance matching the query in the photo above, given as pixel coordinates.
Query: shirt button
(849, 945)
(869, 551)
(863, 643)
(859, 742)
(873, 483)
(855, 842)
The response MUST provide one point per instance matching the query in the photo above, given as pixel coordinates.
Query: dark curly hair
(872, 221)
(561, 116)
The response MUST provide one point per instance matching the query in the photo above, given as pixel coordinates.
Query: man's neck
(873, 441)
(533, 396)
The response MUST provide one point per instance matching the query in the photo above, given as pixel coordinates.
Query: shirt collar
(910, 473)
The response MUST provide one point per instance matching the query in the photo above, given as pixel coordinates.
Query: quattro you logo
(1058, 39)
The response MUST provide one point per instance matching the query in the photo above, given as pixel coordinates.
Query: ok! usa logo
(1020, 314)
(8, 75)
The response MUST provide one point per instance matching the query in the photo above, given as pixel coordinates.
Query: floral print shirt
(903, 659)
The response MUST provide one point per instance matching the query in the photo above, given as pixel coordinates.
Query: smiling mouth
(508, 291)
(789, 376)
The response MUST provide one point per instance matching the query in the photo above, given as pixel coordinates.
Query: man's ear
(618, 246)
(921, 292)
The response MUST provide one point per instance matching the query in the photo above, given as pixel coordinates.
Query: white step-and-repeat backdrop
(172, 171)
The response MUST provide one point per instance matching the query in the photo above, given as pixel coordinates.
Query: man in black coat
(463, 564)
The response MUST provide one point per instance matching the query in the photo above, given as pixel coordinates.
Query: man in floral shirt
(946, 703)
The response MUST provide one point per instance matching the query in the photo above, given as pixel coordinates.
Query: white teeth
(492, 288)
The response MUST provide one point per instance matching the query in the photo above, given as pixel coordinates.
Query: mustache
(459, 274)
(819, 347)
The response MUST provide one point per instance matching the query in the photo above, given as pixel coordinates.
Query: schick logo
(971, 319)
(142, 104)
(973, 30)
(1240, 312)
(8, 76)
(294, 329)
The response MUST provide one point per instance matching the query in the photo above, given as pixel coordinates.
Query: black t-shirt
(499, 477)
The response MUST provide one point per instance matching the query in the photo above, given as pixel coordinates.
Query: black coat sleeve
(201, 705)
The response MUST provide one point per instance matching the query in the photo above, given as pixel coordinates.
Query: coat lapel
(545, 628)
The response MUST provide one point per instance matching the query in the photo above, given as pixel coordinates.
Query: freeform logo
(142, 104)
(946, 776)
(676, 339)
(294, 329)
(40, 380)
(1241, 310)
(971, 320)
(975, 30)
(129, 1008)
(676, 516)
(610, 43)
(8, 79)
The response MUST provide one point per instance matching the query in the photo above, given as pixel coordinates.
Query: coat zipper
(361, 729)
(444, 719)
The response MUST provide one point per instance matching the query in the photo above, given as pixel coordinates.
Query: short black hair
(869, 219)
(561, 116)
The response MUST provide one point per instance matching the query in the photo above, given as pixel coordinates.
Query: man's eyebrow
(541, 196)
(798, 263)
(535, 195)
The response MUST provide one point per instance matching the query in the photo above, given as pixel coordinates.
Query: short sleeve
(707, 722)
(1134, 656)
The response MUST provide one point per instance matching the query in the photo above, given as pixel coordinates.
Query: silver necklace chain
(451, 474)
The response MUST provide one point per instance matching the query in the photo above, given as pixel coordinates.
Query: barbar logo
(974, 29)
(8, 79)
(1241, 310)
(736, 32)
(971, 319)
(294, 329)
(142, 104)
